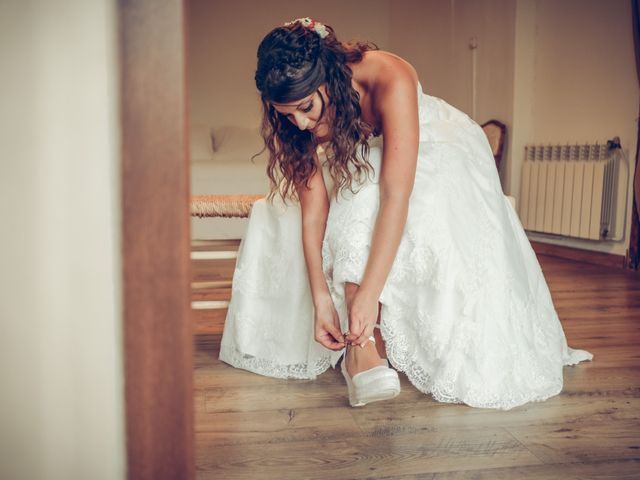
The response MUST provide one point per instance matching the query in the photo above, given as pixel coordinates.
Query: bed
(222, 163)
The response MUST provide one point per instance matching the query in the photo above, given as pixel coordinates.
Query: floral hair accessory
(306, 22)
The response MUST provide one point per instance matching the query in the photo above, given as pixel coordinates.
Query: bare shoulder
(384, 80)
(381, 71)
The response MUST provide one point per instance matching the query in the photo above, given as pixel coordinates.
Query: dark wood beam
(155, 207)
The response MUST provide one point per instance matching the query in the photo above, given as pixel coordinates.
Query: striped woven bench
(225, 206)
(220, 206)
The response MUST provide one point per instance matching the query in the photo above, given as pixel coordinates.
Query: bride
(386, 239)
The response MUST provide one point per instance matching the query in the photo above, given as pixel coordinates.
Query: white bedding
(225, 169)
(221, 164)
(232, 177)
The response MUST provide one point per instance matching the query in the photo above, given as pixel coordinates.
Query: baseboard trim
(579, 255)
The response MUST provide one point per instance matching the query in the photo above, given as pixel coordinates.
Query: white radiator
(569, 190)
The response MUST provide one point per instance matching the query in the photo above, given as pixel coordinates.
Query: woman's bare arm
(314, 202)
(398, 106)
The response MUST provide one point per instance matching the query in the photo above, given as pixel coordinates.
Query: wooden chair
(496, 133)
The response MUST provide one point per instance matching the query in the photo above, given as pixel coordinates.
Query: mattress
(230, 175)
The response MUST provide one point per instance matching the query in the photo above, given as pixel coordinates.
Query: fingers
(330, 337)
(355, 330)
(336, 334)
(329, 342)
(363, 311)
(351, 338)
(363, 339)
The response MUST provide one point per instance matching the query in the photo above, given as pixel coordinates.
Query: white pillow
(200, 145)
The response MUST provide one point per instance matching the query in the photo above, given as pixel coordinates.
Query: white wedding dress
(466, 313)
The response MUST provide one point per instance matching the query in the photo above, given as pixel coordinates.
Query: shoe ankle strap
(371, 338)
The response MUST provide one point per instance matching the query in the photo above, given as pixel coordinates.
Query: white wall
(224, 37)
(61, 405)
(431, 34)
(434, 35)
(552, 71)
(575, 82)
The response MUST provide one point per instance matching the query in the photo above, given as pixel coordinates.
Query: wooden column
(155, 196)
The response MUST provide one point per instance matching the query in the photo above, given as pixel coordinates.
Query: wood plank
(626, 469)
(599, 439)
(408, 417)
(204, 294)
(252, 426)
(208, 321)
(581, 255)
(278, 394)
(210, 270)
(280, 426)
(594, 381)
(211, 284)
(204, 245)
(363, 457)
(155, 244)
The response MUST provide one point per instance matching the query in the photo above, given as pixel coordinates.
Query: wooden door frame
(157, 329)
(633, 250)
(156, 240)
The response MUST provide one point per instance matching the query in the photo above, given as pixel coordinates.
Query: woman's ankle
(380, 345)
(361, 358)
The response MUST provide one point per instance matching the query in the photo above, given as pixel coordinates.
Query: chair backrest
(496, 132)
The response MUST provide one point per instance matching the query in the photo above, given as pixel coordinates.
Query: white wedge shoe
(377, 383)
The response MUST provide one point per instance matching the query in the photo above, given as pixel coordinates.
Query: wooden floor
(253, 427)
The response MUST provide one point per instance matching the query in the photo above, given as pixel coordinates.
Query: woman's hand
(327, 325)
(363, 316)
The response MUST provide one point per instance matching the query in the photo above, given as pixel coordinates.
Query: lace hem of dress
(270, 368)
(541, 387)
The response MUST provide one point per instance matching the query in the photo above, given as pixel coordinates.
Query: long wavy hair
(293, 61)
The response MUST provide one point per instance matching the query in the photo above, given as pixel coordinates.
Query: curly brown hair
(293, 61)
